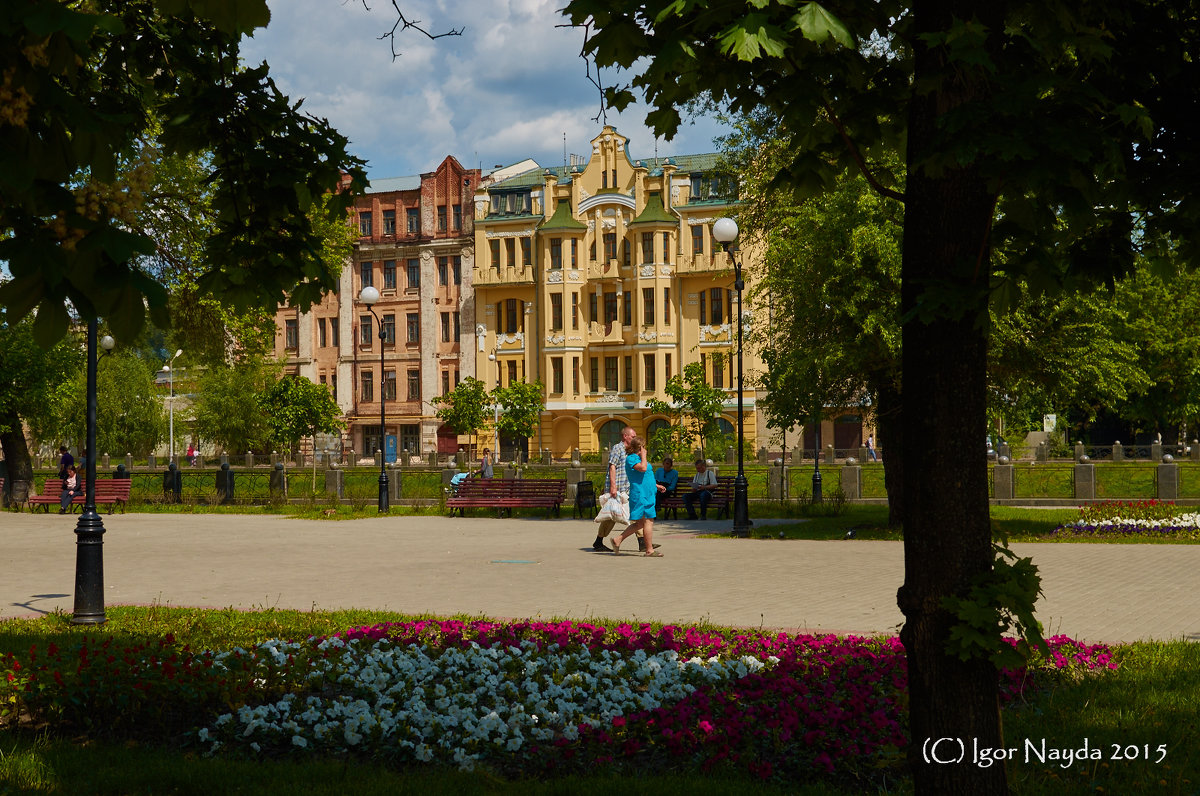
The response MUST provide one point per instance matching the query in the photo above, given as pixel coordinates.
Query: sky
(507, 89)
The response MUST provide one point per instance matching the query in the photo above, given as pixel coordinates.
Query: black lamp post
(816, 491)
(725, 230)
(369, 296)
(89, 531)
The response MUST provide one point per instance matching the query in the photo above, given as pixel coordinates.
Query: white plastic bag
(615, 509)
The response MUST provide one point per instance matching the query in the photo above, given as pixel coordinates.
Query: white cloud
(507, 89)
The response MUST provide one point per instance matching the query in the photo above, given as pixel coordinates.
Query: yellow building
(602, 280)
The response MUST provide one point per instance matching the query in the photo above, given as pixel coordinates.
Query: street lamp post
(725, 230)
(495, 411)
(89, 531)
(369, 296)
(171, 427)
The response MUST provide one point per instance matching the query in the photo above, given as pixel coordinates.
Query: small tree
(227, 408)
(128, 418)
(465, 408)
(693, 411)
(297, 408)
(521, 406)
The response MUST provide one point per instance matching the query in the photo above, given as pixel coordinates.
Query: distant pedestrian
(191, 454)
(70, 488)
(485, 464)
(642, 491)
(65, 460)
(871, 448)
(615, 482)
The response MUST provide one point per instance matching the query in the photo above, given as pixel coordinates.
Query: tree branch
(403, 23)
(881, 189)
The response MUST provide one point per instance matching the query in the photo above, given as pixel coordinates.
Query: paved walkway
(545, 568)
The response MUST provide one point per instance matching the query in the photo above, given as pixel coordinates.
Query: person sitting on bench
(703, 485)
(667, 477)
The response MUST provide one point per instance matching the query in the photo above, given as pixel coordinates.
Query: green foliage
(295, 407)
(465, 409)
(86, 85)
(130, 413)
(997, 602)
(521, 405)
(34, 379)
(692, 415)
(227, 407)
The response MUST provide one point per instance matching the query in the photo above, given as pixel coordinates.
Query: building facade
(415, 246)
(602, 280)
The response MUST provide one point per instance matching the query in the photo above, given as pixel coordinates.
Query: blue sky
(508, 88)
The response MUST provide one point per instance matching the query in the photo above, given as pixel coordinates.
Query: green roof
(562, 219)
(655, 212)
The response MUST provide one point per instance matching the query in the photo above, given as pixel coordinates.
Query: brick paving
(545, 568)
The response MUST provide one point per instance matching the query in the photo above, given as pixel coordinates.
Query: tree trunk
(16, 456)
(947, 535)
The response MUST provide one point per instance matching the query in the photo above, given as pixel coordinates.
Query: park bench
(505, 494)
(110, 492)
(721, 500)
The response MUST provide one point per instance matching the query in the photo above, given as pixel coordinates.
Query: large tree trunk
(947, 538)
(16, 457)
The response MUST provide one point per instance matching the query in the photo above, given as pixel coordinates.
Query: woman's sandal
(653, 554)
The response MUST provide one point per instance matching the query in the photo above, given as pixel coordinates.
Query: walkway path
(545, 568)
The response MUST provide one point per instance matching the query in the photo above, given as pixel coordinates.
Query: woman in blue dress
(643, 490)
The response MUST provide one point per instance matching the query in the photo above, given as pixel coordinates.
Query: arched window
(610, 434)
(726, 427)
(654, 427)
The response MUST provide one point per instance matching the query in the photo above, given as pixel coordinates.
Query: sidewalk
(545, 568)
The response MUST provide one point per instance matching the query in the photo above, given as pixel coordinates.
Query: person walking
(704, 482)
(871, 448)
(70, 488)
(65, 460)
(615, 482)
(485, 465)
(642, 491)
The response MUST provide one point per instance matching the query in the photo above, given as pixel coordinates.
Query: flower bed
(1148, 518)
(521, 698)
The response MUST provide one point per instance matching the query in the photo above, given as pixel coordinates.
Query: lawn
(89, 732)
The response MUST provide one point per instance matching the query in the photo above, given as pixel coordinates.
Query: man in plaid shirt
(615, 482)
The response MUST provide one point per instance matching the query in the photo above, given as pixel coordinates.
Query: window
(414, 328)
(445, 382)
(610, 307)
(333, 332)
(512, 371)
(414, 384)
(648, 371)
(367, 388)
(610, 374)
(627, 308)
(647, 247)
(704, 369)
(698, 239)
(457, 327)
(594, 383)
(703, 305)
(414, 220)
(628, 374)
(443, 271)
(510, 251)
(365, 278)
(387, 329)
(666, 306)
(389, 385)
(610, 246)
(494, 247)
(414, 273)
(457, 216)
(389, 274)
(625, 249)
(364, 223)
(497, 203)
(667, 367)
(333, 384)
(593, 312)
(556, 308)
(718, 371)
(457, 270)
(526, 251)
(441, 216)
(648, 306)
(556, 253)
(718, 312)
(666, 243)
(389, 222)
(365, 335)
(510, 316)
(592, 250)
(445, 327)
(574, 253)
(456, 377)
(575, 375)
(291, 334)
(556, 371)
(574, 310)
(322, 339)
